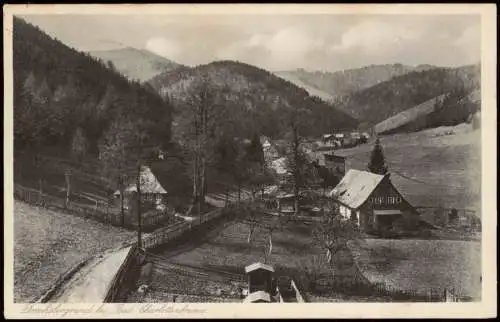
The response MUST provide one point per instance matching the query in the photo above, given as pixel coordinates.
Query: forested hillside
(69, 103)
(379, 102)
(249, 99)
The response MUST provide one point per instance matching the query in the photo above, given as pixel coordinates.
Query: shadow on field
(293, 247)
(233, 247)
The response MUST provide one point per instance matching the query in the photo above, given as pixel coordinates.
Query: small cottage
(372, 201)
(152, 191)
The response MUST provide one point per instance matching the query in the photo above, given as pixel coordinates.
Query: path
(90, 284)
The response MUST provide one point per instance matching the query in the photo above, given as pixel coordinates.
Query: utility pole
(67, 174)
(139, 215)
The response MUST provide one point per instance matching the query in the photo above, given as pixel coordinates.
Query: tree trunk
(239, 193)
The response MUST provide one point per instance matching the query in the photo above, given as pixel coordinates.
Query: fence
(441, 216)
(122, 280)
(127, 275)
(164, 235)
(102, 212)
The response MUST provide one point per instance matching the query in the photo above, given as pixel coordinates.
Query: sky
(324, 42)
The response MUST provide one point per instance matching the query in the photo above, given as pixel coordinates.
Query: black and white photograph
(244, 157)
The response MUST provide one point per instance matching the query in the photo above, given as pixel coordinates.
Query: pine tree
(377, 160)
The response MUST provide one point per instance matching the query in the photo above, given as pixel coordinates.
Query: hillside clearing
(48, 243)
(446, 169)
(422, 264)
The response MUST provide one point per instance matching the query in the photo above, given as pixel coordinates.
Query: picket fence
(167, 234)
(101, 212)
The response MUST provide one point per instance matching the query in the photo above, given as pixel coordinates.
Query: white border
(486, 308)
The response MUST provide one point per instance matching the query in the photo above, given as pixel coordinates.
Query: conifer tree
(377, 160)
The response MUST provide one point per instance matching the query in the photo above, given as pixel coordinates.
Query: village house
(372, 201)
(283, 176)
(269, 149)
(152, 192)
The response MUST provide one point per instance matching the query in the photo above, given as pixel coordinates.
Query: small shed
(260, 278)
(286, 202)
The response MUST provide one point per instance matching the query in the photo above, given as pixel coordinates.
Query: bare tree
(201, 105)
(118, 156)
(334, 232)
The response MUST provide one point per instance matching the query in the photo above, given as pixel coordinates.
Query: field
(214, 261)
(444, 170)
(422, 264)
(227, 249)
(47, 244)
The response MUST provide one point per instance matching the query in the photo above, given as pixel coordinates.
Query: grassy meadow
(421, 265)
(48, 243)
(446, 168)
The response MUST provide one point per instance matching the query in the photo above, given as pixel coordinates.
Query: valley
(111, 146)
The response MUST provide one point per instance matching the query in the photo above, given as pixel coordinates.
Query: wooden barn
(372, 201)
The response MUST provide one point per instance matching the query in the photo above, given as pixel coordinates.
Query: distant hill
(329, 85)
(65, 99)
(384, 100)
(252, 98)
(137, 64)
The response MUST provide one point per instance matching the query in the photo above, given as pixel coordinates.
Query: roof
(355, 188)
(149, 183)
(279, 165)
(259, 295)
(334, 157)
(285, 196)
(256, 266)
(387, 212)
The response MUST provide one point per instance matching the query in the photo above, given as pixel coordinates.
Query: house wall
(384, 197)
(335, 165)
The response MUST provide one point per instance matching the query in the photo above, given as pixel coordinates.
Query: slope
(329, 85)
(377, 103)
(136, 63)
(408, 115)
(252, 98)
(445, 110)
(65, 103)
(58, 90)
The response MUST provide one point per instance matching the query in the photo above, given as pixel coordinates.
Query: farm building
(283, 176)
(152, 192)
(335, 164)
(372, 201)
(286, 203)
